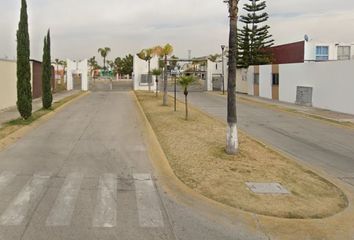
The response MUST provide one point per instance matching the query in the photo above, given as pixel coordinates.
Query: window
(146, 79)
(344, 53)
(256, 78)
(322, 53)
(275, 79)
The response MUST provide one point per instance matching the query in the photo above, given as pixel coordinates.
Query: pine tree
(258, 33)
(243, 56)
(47, 97)
(24, 90)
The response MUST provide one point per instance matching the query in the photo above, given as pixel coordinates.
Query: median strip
(195, 151)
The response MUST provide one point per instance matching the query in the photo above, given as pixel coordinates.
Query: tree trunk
(149, 80)
(186, 102)
(165, 84)
(232, 135)
(157, 86)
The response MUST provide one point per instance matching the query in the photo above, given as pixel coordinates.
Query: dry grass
(195, 150)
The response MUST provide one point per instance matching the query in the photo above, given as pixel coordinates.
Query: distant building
(309, 51)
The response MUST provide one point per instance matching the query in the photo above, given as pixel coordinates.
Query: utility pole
(223, 70)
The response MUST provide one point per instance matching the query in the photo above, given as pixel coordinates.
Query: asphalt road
(85, 174)
(320, 144)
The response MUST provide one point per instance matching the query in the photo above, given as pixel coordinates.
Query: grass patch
(16, 124)
(195, 151)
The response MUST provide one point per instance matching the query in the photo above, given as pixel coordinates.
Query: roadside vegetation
(195, 151)
(14, 125)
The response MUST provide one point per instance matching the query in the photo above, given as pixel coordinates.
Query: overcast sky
(80, 27)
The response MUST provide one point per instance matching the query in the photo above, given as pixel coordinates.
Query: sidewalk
(12, 113)
(310, 111)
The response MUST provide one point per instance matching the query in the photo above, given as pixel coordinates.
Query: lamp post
(223, 70)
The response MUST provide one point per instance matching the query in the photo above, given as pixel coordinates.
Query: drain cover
(267, 188)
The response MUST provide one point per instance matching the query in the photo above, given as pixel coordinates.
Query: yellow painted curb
(18, 134)
(338, 226)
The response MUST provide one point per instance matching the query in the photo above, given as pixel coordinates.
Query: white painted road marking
(106, 208)
(18, 209)
(5, 179)
(64, 206)
(148, 202)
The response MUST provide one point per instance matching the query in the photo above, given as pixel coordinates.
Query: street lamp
(223, 70)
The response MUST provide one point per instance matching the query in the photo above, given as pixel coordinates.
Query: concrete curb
(18, 134)
(182, 194)
(321, 118)
(338, 226)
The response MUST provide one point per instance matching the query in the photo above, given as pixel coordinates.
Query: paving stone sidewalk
(12, 113)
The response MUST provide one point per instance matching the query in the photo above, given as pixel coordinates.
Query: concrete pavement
(86, 174)
(12, 113)
(309, 111)
(317, 143)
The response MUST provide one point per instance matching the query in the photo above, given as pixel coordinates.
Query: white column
(83, 68)
(71, 66)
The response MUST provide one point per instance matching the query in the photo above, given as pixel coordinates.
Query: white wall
(8, 83)
(332, 82)
(141, 67)
(265, 81)
(80, 67)
(241, 80)
(250, 80)
(215, 68)
(83, 68)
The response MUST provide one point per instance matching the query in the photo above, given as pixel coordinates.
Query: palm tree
(157, 72)
(185, 82)
(104, 52)
(214, 57)
(232, 144)
(57, 63)
(93, 64)
(64, 64)
(166, 51)
(147, 55)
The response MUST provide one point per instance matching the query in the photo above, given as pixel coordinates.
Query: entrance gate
(77, 72)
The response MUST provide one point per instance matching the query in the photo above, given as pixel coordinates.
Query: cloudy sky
(80, 27)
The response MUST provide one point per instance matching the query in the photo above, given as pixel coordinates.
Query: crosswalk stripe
(106, 209)
(64, 205)
(5, 179)
(147, 201)
(18, 209)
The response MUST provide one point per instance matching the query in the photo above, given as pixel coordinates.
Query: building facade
(8, 82)
(311, 51)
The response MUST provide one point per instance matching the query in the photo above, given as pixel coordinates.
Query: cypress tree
(258, 32)
(24, 90)
(47, 97)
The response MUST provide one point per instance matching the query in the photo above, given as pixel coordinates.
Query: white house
(328, 51)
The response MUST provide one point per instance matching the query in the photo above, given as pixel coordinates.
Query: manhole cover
(267, 188)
